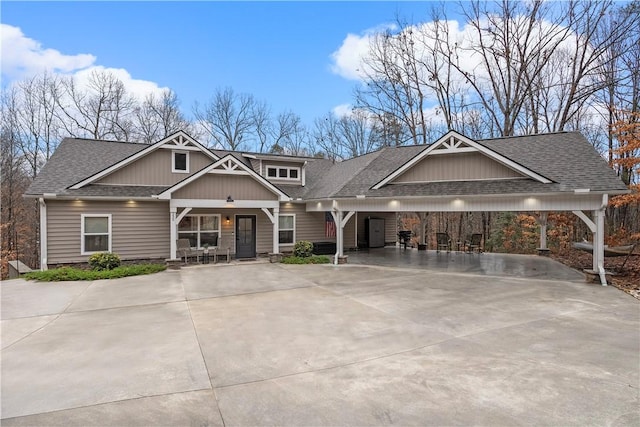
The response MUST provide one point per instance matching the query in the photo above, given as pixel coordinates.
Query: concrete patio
(271, 344)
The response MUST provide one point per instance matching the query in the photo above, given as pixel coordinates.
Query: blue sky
(280, 52)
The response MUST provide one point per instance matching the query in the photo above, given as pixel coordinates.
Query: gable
(179, 141)
(453, 144)
(154, 169)
(464, 166)
(237, 176)
(219, 187)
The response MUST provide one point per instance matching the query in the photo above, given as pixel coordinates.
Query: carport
(558, 172)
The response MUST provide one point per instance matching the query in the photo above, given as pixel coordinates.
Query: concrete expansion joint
(268, 291)
(139, 397)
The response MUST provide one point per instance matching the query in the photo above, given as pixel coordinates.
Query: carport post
(543, 230)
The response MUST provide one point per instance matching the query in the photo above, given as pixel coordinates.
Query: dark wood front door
(245, 236)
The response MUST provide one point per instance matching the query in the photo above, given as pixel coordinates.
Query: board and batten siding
(155, 169)
(219, 187)
(457, 167)
(139, 230)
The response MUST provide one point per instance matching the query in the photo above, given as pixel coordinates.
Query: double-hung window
(286, 228)
(200, 230)
(180, 161)
(95, 233)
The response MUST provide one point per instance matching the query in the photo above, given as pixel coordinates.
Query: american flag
(329, 225)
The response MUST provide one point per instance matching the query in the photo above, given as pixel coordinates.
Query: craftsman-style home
(140, 200)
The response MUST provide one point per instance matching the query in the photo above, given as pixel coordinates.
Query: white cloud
(342, 110)
(23, 56)
(137, 88)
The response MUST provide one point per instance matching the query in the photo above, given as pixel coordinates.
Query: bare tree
(159, 116)
(101, 110)
(229, 118)
(290, 135)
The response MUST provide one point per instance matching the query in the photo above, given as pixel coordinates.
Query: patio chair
(443, 241)
(474, 243)
(185, 250)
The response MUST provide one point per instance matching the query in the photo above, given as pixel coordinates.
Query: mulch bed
(627, 279)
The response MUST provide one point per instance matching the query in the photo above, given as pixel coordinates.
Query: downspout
(43, 234)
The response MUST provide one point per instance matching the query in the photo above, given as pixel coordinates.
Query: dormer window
(283, 172)
(180, 162)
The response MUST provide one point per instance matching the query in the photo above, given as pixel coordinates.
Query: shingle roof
(77, 159)
(566, 158)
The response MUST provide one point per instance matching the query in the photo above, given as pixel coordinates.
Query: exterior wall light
(229, 199)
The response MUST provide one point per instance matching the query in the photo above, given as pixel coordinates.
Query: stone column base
(173, 263)
(275, 258)
(342, 259)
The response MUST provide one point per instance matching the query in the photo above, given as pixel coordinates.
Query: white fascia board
(210, 203)
(471, 143)
(212, 168)
(143, 153)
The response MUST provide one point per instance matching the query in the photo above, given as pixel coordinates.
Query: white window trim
(287, 229)
(219, 230)
(173, 161)
(278, 177)
(82, 233)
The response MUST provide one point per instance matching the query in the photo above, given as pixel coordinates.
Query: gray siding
(217, 186)
(155, 169)
(139, 229)
(309, 225)
(456, 167)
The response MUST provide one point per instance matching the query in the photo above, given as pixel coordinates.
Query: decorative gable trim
(228, 165)
(178, 141)
(452, 143)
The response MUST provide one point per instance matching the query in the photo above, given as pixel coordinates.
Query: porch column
(43, 234)
(276, 230)
(275, 220)
(598, 245)
(543, 230)
(173, 232)
(423, 224)
(597, 228)
(340, 222)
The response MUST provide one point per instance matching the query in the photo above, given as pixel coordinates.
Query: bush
(303, 249)
(104, 261)
(72, 274)
(313, 259)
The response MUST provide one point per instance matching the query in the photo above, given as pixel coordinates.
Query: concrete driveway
(267, 344)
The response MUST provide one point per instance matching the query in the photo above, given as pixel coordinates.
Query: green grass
(313, 259)
(70, 273)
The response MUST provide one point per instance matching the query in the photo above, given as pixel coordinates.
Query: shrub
(303, 249)
(313, 259)
(104, 261)
(71, 274)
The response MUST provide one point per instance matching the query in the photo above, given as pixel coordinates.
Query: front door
(245, 236)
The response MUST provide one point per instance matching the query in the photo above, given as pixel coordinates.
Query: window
(95, 233)
(286, 227)
(180, 162)
(200, 230)
(283, 172)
